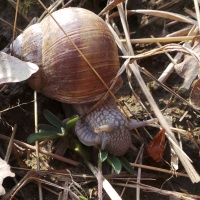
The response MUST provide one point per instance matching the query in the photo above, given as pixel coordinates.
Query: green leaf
(126, 164)
(55, 121)
(103, 155)
(82, 198)
(115, 163)
(45, 128)
(41, 136)
(71, 123)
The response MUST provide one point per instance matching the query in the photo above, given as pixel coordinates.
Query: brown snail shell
(64, 75)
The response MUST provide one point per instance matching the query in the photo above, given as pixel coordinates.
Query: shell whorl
(64, 75)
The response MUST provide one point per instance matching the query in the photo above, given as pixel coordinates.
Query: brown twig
(28, 146)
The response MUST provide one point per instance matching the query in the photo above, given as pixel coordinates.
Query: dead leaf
(156, 147)
(189, 68)
(13, 69)
(4, 172)
(195, 95)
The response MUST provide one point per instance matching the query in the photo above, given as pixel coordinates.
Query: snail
(65, 76)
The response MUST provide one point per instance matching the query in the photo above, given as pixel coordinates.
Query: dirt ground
(19, 98)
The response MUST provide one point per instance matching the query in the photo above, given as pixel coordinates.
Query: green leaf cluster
(117, 162)
(56, 129)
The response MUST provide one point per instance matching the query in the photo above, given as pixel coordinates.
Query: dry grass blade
(110, 6)
(168, 89)
(182, 32)
(118, 40)
(167, 15)
(159, 170)
(170, 194)
(29, 177)
(50, 9)
(168, 71)
(163, 49)
(140, 158)
(125, 28)
(37, 143)
(15, 20)
(9, 149)
(160, 39)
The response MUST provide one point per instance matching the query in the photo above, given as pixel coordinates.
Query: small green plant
(117, 162)
(56, 129)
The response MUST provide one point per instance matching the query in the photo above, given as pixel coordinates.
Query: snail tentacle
(104, 128)
(133, 124)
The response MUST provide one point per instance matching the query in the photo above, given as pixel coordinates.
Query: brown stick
(28, 146)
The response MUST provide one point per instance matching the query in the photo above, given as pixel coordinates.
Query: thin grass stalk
(159, 39)
(15, 21)
(159, 191)
(139, 172)
(50, 9)
(37, 143)
(165, 14)
(125, 28)
(9, 149)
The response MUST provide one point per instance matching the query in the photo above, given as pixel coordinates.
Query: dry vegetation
(159, 52)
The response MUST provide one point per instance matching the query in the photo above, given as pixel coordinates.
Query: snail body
(65, 76)
(105, 127)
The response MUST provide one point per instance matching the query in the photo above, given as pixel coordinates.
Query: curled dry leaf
(14, 70)
(195, 95)
(156, 147)
(4, 172)
(189, 67)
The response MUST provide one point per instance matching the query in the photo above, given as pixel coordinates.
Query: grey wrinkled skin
(116, 142)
